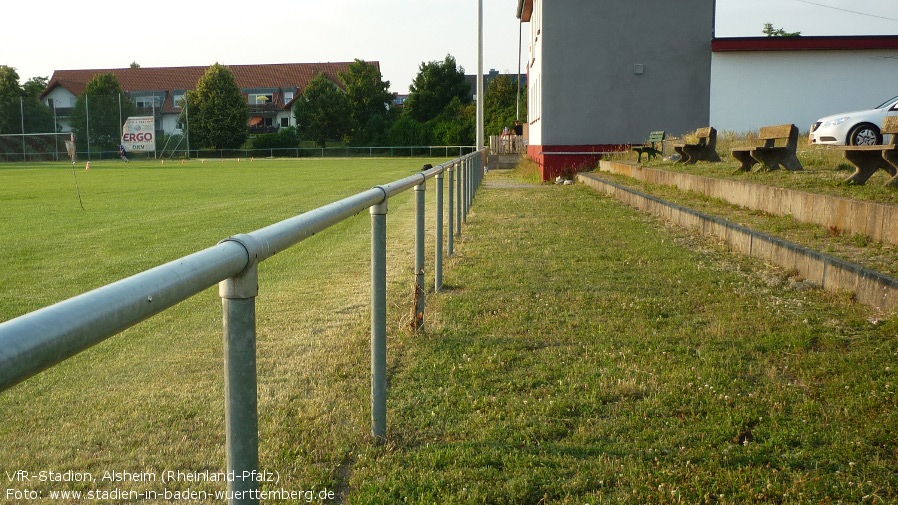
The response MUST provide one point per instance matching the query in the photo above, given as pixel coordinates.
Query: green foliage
(100, 113)
(434, 88)
(375, 132)
(10, 93)
(17, 101)
(500, 105)
(35, 86)
(369, 100)
(323, 112)
(285, 138)
(9, 83)
(456, 126)
(770, 31)
(409, 132)
(217, 110)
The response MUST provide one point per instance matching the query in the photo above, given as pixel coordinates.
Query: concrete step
(500, 161)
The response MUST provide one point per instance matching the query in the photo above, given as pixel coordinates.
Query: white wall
(611, 72)
(754, 88)
(534, 76)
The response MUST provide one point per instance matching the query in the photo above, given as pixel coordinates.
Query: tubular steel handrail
(38, 340)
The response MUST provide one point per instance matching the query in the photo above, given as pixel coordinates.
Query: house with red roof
(270, 90)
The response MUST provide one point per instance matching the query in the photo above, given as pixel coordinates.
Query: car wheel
(864, 134)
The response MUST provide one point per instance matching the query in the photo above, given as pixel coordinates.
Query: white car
(859, 128)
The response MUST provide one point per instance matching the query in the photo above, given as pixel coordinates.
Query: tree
(10, 94)
(433, 89)
(20, 107)
(408, 132)
(217, 111)
(9, 82)
(323, 112)
(100, 112)
(38, 115)
(369, 100)
(35, 86)
(456, 126)
(500, 105)
(778, 32)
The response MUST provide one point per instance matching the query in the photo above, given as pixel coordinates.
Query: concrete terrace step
(502, 161)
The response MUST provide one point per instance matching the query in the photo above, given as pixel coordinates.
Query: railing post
(379, 320)
(467, 190)
(459, 198)
(451, 245)
(418, 320)
(238, 296)
(438, 240)
(478, 173)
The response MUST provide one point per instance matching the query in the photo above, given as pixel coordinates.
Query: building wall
(752, 89)
(603, 74)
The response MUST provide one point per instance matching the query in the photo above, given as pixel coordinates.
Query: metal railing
(38, 340)
(507, 144)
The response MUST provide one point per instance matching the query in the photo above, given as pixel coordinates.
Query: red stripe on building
(860, 42)
(558, 160)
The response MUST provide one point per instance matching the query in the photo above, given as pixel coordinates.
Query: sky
(399, 34)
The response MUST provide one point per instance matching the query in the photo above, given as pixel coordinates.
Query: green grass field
(152, 397)
(582, 352)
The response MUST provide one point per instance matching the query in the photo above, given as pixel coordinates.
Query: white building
(777, 80)
(605, 74)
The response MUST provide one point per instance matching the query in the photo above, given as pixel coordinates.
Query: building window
(288, 96)
(260, 98)
(147, 102)
(285, 122)
(177, 100)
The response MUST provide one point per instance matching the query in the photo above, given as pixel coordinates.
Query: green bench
(868, 159)
(649, 147)
(703, 148)
(771, 155)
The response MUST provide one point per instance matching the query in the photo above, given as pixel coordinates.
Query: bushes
(286, 138)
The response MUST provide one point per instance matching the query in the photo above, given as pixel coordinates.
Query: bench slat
(656, 136)
(703, 133)
(783, 131)
(890, 125)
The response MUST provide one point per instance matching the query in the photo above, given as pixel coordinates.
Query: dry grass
(825, 169)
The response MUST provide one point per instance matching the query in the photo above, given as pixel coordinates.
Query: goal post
(34, 146)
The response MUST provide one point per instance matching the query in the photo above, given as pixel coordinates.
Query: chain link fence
(31, 130)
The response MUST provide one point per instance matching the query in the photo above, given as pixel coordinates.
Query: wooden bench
(649, 147)
(868, 159)
(703, 149)
(769, 154)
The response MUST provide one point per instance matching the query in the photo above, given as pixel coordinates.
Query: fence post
(418, 320)
(379, 320)
(476, 174)
(438, 242)
(451, 245)
(238, 296)
(459, 198)
(467, 190)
